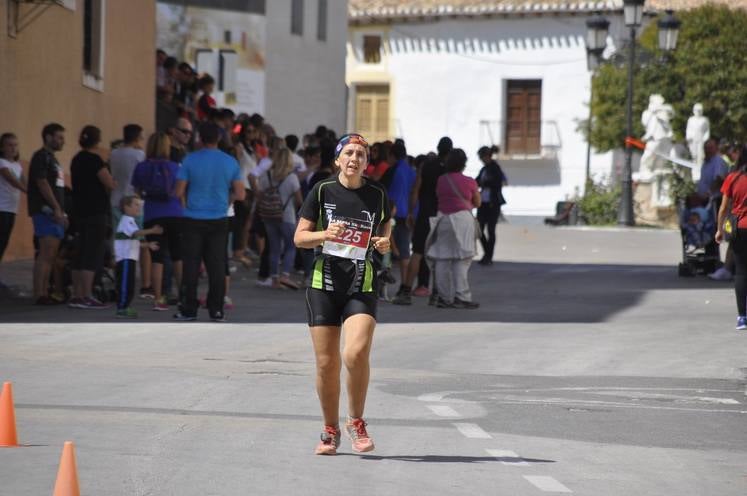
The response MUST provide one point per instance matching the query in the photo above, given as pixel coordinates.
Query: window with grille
(297, 17)
(372, 49)
(523, 117)
(93, 39)
(321, 25)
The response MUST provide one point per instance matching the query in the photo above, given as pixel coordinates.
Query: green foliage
(707, 67)
(599, 205)
(681, 184)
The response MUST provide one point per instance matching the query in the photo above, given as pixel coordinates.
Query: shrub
(600, 203)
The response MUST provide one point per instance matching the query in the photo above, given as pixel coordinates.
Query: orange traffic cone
(67, 475)
(8, 435)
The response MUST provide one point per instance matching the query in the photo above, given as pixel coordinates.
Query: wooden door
(372, 112)
(523, 117)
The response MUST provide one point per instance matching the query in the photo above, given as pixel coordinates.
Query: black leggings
(487, 216)
(7, 219)
(740, 277)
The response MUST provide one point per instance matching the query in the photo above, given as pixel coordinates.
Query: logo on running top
(369, 215)
(330, 209)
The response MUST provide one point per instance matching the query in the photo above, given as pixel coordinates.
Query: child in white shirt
(127, 252)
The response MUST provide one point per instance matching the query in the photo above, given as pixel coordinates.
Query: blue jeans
(280, 233)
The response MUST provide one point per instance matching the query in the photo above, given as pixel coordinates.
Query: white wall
(449, 75)
(305, 77)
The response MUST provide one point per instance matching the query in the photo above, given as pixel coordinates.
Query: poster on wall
(228, 45)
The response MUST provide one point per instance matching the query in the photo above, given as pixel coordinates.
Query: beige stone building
(75, 62)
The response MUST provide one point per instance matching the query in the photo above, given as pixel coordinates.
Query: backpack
(158, 181)
(271, 207)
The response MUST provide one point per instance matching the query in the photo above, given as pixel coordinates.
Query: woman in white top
(12, 183)
(281, 181)
(242, 222)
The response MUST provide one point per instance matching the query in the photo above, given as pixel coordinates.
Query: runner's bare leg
(326, 340)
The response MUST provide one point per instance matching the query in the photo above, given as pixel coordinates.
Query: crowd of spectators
(212, 192)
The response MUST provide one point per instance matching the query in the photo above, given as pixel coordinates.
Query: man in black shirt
(46, 192)
(424, 195)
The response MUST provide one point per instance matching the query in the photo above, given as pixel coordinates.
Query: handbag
(466, 202)
(730, 227)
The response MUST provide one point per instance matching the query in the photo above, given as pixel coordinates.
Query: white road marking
(547, 484)
(605, 404)
(434, 396)
(472, 431)
(443, 411)
(506, 457)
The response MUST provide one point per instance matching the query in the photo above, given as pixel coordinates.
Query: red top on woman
(735, 187)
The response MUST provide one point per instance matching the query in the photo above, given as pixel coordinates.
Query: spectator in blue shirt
(713, 168)
(207, 181)
(403, 179)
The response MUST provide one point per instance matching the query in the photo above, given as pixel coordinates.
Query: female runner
(344, 218)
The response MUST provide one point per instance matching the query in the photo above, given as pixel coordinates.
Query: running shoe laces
(330, 440)
(356, 429)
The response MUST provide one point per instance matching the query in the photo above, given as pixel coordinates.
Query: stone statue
(697, 133)
(658, 138)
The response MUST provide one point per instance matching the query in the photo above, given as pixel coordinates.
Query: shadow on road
(507, 292)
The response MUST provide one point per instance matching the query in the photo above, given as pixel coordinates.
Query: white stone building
(505, 72)
(284, 59)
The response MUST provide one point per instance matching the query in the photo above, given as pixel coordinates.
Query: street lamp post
(633, 13)
(597, 29)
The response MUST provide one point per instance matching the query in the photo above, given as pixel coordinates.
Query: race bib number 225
(353, 242)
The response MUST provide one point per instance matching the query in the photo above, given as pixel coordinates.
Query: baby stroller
(700, 252)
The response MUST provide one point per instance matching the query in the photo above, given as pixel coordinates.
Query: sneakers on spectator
(147, 293)
(330, 440)
(441, 303)
(421, 291)
(179, 316)
(218, 317)
(721, 274)
(75, 303)
(92, 303)
(161, 305)
(59, 297)
(126, 313)
(286, 281)
(227, 303)
(741, 323)
(356, 430)
(264, 283)
(403, 297)
(46, 301)
(469, 305)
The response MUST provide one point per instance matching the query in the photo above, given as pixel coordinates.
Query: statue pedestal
(649, 207)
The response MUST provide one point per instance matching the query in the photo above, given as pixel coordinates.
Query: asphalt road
(590, 368)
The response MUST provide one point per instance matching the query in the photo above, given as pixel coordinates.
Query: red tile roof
(369, 10)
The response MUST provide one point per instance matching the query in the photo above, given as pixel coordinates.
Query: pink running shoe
(421, 291)
(330, 441)
(356, 430)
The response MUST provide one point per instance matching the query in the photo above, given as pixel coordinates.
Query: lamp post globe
(633, 12)
(597, 29)
(669, 30)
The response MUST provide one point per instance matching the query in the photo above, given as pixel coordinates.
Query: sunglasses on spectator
(185, 131)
